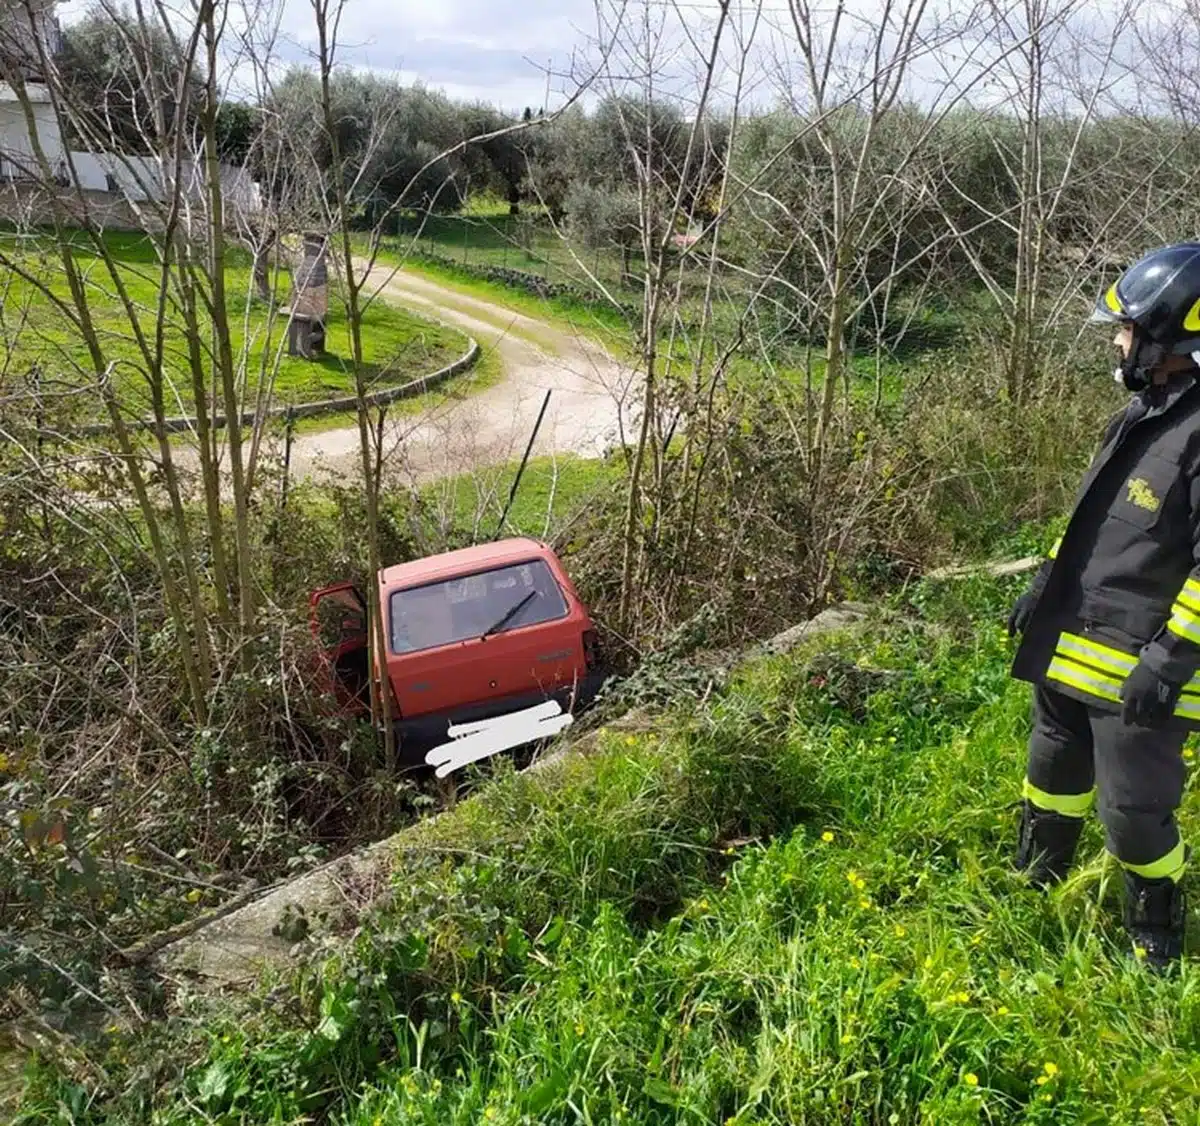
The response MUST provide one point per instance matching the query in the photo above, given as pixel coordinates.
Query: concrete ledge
(233, 949)
(409, 390)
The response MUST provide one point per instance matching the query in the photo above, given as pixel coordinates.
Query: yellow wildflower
(976, 939)
(855, 964)
(1188, 755)
(578, 1028)
(1042, 1079)
(1050, 1069)
(860, 883)
(971, 1079)
(852, 876)
(456, 997)
(827, 837)
(630, 740)
(900, 929)
(703, 905)
(847, 1038)
(864, 903)
(1139, 952)
(1002, 1011)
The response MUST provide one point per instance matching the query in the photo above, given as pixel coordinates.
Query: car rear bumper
(418, 734)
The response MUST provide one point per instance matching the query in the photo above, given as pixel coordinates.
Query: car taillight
(591, 648)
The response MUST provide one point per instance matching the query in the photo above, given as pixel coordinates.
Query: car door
(338, 620)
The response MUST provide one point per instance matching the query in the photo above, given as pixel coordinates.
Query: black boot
(1046, 844)
(1155, 911)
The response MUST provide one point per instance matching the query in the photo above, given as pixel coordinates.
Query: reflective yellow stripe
(1084, 679)
(1054, 548)
(1189, 597)
(1185, 624)
(1170, 866)
(1105, 658)
(1111, 299)
(1069, 805)
(1188, 708)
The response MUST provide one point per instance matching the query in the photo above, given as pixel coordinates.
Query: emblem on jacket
(1142, 495)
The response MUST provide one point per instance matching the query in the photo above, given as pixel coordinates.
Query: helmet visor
(1108, 308)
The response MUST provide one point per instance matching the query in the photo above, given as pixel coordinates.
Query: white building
(28, 30)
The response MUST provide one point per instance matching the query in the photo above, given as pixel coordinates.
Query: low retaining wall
(407, 390)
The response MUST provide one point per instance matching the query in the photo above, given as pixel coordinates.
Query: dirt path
(590, 394)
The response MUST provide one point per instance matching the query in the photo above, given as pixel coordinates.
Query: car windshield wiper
(509, 614)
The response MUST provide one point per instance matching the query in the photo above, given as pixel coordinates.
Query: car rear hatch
(508, 631)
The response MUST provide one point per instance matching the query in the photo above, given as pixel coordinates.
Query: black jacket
(1123, 582)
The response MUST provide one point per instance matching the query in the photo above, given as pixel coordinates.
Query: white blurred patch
(470, 742)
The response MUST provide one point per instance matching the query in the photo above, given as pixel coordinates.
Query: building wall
(16, 151)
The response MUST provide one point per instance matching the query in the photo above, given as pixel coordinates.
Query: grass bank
(550, 496)
(788, 903)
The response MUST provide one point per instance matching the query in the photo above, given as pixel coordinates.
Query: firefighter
(1110, 625)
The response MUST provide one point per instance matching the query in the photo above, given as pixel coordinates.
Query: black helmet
(1160, 296)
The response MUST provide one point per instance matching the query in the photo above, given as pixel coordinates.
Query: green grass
(551, 493)
(487, 372)
(604, 324)
(397, 345)
(488, 236)
(789, 904)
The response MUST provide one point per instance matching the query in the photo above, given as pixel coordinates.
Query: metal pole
(287, 456)
(521, 469)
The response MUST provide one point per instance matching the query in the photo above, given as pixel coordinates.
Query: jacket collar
(1161, 399)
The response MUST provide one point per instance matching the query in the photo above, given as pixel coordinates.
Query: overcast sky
(497, 52)
(500, 53)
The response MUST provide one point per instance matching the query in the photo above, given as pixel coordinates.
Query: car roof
(463, 561)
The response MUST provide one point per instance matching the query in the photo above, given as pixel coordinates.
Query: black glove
(1149, 701)
(1022, 611)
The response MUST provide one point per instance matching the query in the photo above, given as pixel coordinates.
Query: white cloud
(469, 48)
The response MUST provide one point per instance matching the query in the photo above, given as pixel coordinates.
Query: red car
(471, 635)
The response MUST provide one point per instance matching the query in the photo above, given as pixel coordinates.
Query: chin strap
(1135, 370)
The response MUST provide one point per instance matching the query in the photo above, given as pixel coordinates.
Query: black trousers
(1080, 754)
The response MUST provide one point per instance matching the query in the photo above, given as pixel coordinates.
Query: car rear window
(456, 609)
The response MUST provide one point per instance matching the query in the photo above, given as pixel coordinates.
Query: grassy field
(551, 493)
(398, 346)
(788, 904)
(485, 234)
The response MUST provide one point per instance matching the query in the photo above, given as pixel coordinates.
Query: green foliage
(789, 905)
